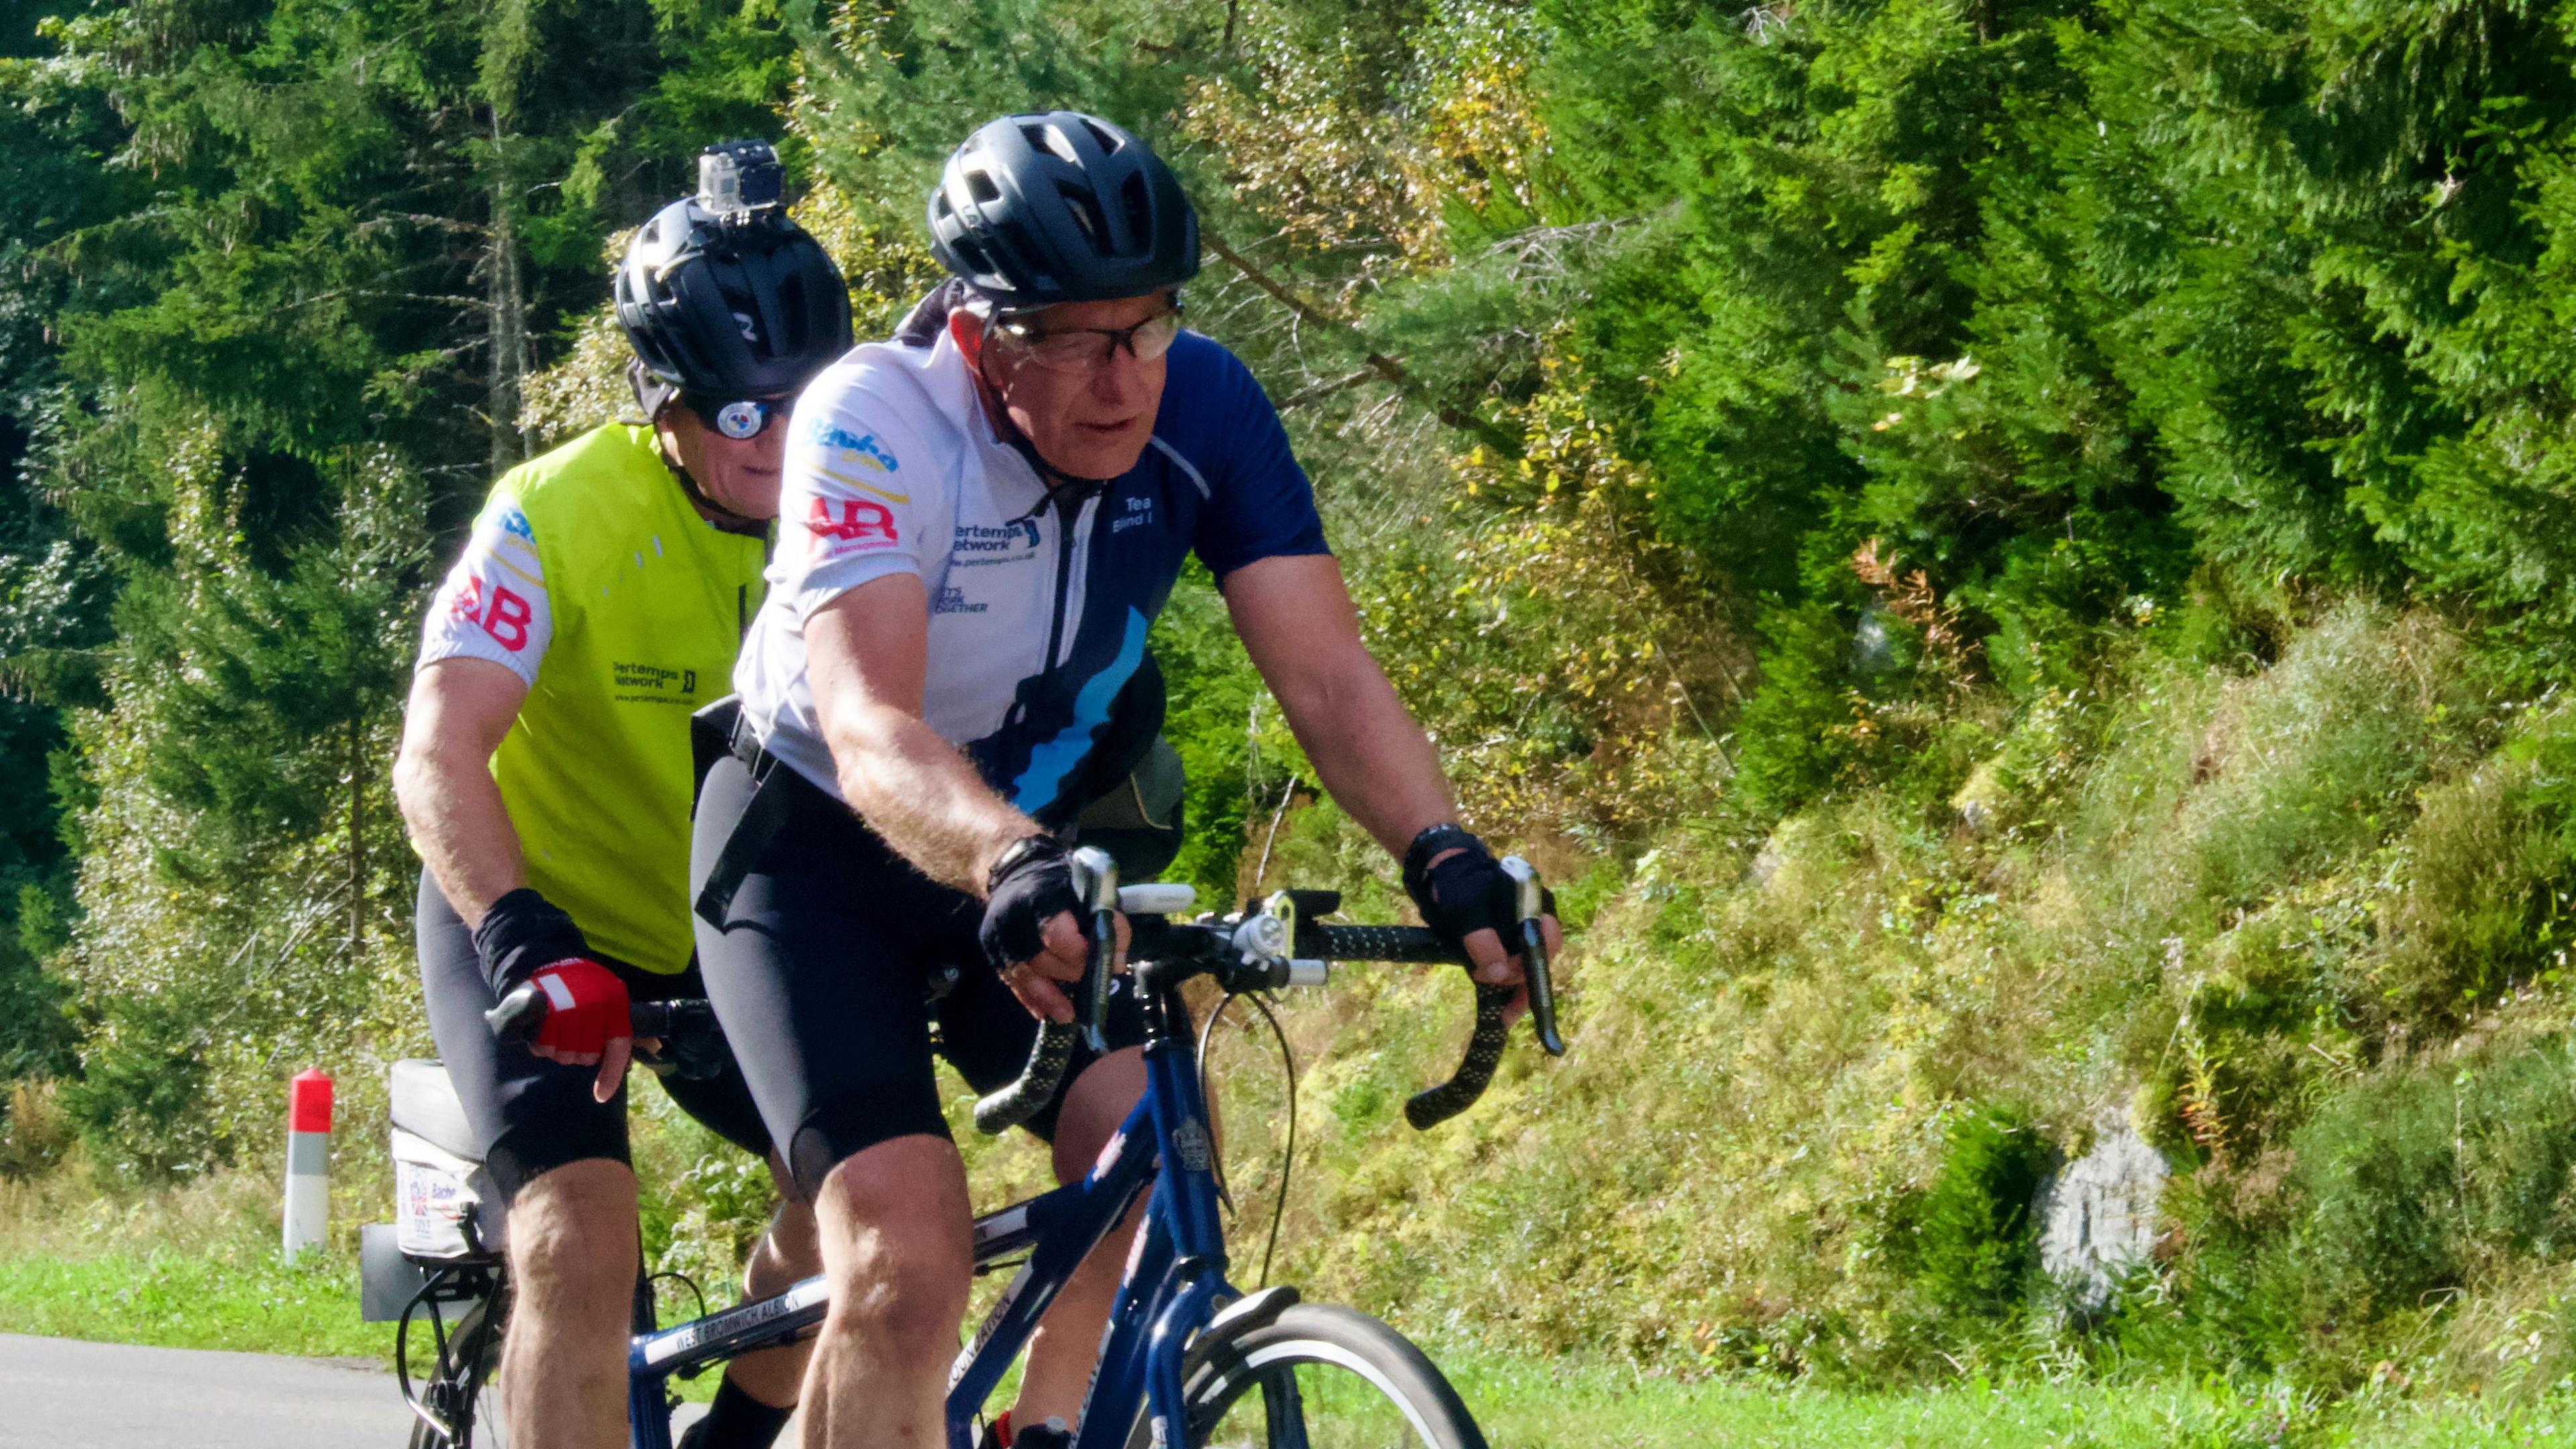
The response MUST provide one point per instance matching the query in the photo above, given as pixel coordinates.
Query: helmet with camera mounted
(723, 296)
(1059, 206)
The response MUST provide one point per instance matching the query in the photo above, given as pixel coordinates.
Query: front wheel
(1318, 1377)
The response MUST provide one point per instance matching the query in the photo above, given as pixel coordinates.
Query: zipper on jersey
(1063, 577)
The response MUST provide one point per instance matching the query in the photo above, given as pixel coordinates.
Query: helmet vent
(980, 186)
(1052, 140)
(1025, 245)
(1085, 209)
(791, 302)
(1140, 211)
(1106, 141)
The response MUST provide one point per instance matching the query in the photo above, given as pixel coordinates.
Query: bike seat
(425, 1105)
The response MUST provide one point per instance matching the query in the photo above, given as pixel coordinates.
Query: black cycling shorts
(531, 1115)
(821, 975)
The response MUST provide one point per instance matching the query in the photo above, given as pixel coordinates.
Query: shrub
(1969, 1244)
(36, 1133)
(2414, 1183)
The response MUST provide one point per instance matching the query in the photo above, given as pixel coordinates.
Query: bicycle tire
(1317, 1377)
(467, 1379)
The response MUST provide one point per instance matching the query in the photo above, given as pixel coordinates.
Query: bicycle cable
(684, 1279)
(1216, 1160)
(1288, 1152)
(1288, 1148)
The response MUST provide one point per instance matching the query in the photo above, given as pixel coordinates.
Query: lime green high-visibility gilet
(650, 602)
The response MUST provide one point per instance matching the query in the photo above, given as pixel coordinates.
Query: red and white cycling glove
(586, 1008)
(525, 937)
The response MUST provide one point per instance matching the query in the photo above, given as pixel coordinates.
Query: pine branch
(1379, 363)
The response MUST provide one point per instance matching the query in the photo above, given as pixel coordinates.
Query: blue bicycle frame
(1174, 1280)
(1175, 1273)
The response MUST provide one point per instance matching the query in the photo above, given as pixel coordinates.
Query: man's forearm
(923, 797)
(461, 829)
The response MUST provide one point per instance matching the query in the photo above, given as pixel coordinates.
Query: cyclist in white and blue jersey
(980, 519)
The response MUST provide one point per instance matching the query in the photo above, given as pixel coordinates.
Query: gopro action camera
(738, 180)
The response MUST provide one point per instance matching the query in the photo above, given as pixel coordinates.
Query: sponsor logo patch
(652, 683)
(504, 615)
(861, 449)
(858, 524)
(981, 538)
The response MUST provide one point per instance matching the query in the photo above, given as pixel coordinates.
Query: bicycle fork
(1175, 1273)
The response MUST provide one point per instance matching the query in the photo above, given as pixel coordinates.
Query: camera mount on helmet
(740, 181)
(723, 295)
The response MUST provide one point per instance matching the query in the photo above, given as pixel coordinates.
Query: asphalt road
(61, 1393)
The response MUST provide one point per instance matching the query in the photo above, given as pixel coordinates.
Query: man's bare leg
(1068, 1337)
(573, 1257)
(898, 1250)
(787, 1254)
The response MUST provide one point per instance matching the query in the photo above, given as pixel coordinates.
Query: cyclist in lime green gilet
(546, 775)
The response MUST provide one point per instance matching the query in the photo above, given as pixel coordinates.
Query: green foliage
(1968, 1243)
(2418, 1182)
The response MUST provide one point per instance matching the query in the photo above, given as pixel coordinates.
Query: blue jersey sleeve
(1259, 502)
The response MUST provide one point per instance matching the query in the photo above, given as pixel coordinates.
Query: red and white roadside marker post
(308, 1160)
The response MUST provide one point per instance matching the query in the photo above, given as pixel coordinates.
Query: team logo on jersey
(514, 521)
(974, 538)
(861, 449)
(859, 524)
(505, 616)
(637, 683)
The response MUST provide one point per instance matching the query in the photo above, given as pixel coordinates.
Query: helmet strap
(1064, 491)
(723, 519)
(652, 392)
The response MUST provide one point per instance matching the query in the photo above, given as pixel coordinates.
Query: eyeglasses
(742, 420)
(1081, 349)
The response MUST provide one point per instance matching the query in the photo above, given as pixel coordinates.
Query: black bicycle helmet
(740, 306)
(1058, 206)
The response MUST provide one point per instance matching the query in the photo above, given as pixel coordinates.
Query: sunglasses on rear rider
(741, 420)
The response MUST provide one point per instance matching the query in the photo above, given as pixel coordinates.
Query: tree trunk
(508, 338)
(357, 836)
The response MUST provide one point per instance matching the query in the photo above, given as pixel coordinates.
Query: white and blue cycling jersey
(1037, 620)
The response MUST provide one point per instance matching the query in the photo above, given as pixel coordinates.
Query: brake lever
(1530, 904)
(518, 1014)
(1095, 879)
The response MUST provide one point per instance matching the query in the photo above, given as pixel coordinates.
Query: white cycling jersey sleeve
(493, 604)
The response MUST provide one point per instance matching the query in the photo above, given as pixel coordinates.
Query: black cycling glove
(1031, 884)
(1467, 892)
(521, 932)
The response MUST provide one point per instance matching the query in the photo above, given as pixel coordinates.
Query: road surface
(61, 1393)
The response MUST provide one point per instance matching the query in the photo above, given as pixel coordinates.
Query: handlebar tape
(1428, 1109)
(1036, 1086)
(1378, 943)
